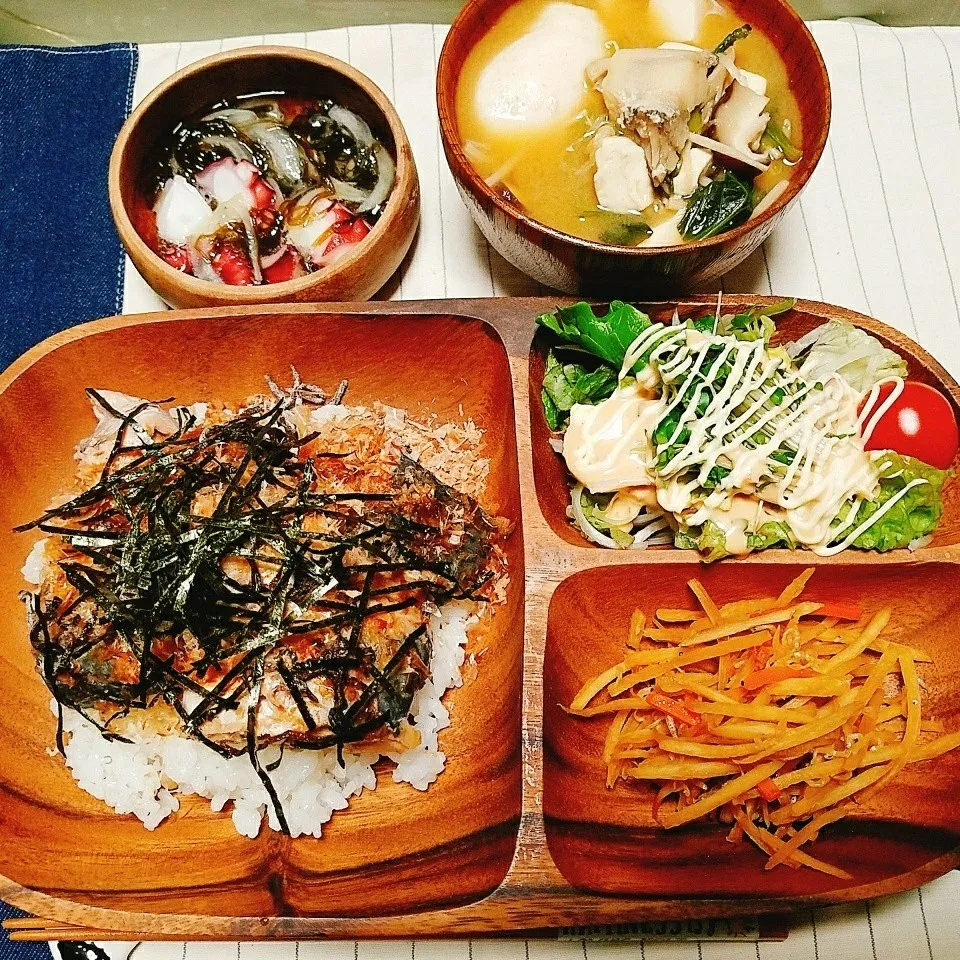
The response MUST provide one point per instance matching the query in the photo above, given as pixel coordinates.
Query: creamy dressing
(747, 459)
(607, 446)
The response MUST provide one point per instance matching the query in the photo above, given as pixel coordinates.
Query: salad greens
(722, 204)
(606, 337)
(709, 540)
(775, 136)
(756, 324)
(914, 516)
(594, 507)
(601, 342)
(565, 384)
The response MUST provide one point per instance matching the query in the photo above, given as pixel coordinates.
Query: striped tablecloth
(877, 230)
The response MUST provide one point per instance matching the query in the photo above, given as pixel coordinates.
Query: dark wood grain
(575, 265)
(225, 76)
(397, 863)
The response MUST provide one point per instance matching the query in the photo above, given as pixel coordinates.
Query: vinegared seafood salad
(264, 189)
(257, 602)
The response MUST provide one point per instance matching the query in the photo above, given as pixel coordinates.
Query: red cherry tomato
(920, 423)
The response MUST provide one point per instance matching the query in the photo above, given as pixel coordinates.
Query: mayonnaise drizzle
(866, 431)
(817, 428)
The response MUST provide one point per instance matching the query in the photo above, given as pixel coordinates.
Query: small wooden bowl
(360, 274)
(575, 265)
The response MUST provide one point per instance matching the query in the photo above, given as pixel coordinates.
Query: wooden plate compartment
(606, 841)
(549, 472)
(450, 845)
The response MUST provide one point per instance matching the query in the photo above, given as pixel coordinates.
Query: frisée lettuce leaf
(565, 384)
(709, 540)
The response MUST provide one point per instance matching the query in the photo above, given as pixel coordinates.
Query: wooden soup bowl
(575, 265)
(224, 76)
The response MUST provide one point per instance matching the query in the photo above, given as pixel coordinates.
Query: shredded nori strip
(148, 569)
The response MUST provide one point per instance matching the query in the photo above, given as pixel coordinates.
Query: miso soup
(630, 122)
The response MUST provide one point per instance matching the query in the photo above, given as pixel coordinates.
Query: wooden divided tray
(519, 833)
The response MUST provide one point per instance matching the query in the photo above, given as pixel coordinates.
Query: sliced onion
(202, 270)
(556, 444)
(386, 173)
(587, 528)
(920, 542)
(769, 199)
(237, 149)
(267, 262)
(253, 246)
(287, 160)
(234, 210)
(235, 116)
(264, 106)
(357, 127)
(348, 192)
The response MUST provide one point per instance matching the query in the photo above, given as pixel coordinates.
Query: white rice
(136, 777)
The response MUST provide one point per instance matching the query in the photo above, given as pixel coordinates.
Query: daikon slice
(181, 211)
(682, 19)
(539, 78)
(622, 180)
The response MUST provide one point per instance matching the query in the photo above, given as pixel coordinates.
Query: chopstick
(773, 927)
(38, 930)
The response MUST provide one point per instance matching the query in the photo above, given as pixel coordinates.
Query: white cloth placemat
(877, 230)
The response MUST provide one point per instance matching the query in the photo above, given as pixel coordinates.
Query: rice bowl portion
(257, 604)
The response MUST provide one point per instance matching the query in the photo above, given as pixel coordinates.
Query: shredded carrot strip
(706, 601)
(760, 678)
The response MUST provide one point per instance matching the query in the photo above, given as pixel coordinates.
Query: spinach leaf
(732, 37)
(722, 204)
(626, 233)
(606, 337)
(621, 229)
(565, 384)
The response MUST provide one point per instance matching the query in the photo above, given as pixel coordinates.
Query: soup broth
(549, 168)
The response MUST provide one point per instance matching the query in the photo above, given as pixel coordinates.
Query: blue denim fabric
(19, 951)
(61, 262)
